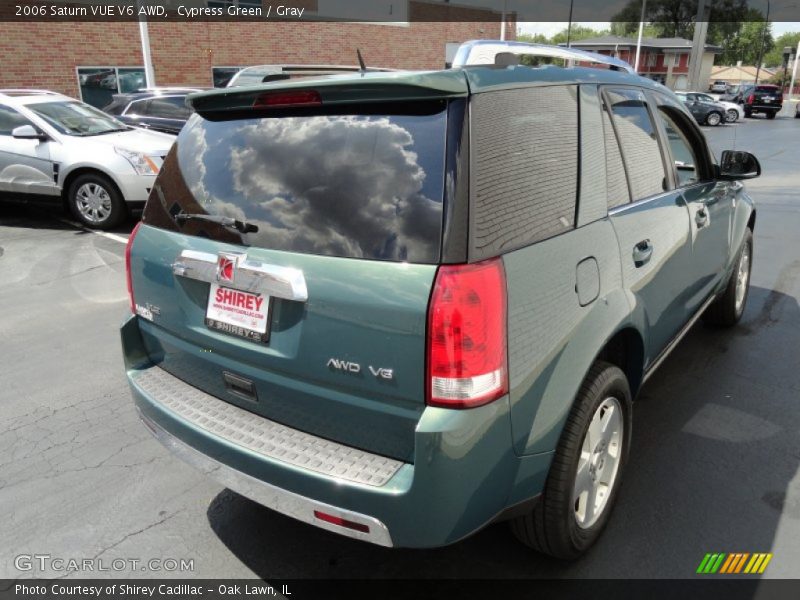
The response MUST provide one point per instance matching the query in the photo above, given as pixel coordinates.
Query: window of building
(99, 84)
(524, 155)
(637, 137)
(222, 75)
(10, 120)
(651, 59)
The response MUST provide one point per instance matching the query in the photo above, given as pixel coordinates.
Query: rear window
(767, 88)
(351, 185)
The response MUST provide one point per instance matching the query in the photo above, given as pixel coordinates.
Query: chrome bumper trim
(280, 500)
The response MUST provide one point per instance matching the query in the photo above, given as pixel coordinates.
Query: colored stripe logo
(734, 563)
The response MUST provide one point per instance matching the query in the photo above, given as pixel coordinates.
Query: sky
(552, 28)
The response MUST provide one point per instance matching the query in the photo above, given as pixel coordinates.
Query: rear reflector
(341, 522)
(128, 247)
(286, 99)
(467, 336)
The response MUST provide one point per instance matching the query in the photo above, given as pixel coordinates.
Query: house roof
(675, 44)
(742, 73)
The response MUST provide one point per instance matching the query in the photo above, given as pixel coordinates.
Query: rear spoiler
(403, 86)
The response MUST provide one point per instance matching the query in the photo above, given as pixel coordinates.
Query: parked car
(160, 109)
(719, 87)
(703, 108)
(734, 93)
(266, 73)
(763, 98)
(327, 327)
(57, 149)
(733, 111)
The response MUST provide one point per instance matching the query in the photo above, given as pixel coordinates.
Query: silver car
(53, 147)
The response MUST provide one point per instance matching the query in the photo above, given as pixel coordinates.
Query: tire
(731, 115)
(727, 310)
(713, 119)
(554, 526)
(747, 114)
(771, 114)
(96, 202)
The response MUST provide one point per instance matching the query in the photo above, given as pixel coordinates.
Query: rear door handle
(642, 253)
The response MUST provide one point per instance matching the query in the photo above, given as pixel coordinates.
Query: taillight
(128, 266)
(751, 98)
(289, 98)
(467, 336)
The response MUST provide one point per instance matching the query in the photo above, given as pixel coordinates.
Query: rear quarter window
(524, 165)
(350, 185)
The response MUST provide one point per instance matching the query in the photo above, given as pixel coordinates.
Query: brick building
(665, 60)
(93, 60)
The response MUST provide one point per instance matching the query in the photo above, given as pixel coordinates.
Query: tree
(675, 18)
(579, 32)
(774, 58)
(745, 43)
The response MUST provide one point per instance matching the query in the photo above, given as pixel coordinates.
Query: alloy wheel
(742, 278)
(598, 464)
(93, 202)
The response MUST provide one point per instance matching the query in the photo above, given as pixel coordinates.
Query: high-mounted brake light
(128, 247)
(285, 99)
(467, 363)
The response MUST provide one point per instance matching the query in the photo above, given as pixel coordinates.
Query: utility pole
(761, 49)
(794, 69)
(144, 36)
(698, 45)
(569, 24)
(639, 41)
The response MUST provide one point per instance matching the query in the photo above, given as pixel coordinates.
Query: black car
(704, 112)
(763, 98)
(160, 109)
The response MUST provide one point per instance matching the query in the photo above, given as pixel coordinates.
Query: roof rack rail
(27, 91)
(485, 52)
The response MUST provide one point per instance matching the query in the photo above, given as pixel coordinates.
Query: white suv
(53, 147)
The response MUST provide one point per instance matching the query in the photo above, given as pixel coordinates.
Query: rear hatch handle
(248, 275)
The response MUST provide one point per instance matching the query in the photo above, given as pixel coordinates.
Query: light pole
(639, 41)
(569, 24)
(761, 49)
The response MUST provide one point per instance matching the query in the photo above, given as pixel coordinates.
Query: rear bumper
(465, 472)
(762, 107)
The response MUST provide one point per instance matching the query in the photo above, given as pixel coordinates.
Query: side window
(524, 152)
(10, 120)
(172, 107)
(616, 182)
(637, 137)
(688, 165)
(137, 108)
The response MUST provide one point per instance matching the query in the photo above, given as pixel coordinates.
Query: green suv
(401, 306)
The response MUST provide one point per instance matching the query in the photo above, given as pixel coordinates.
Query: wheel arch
(625, 349)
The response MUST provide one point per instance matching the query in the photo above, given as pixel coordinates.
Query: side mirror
(28, 132)
(736, 164)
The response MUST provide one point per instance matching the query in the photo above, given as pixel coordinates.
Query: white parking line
(105, 234)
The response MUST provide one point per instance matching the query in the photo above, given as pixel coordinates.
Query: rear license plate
(768, 98)
(238, 313)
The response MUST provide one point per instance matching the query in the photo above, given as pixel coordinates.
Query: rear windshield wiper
(240, 226)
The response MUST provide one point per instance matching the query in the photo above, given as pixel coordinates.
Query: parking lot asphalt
(715, 460)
